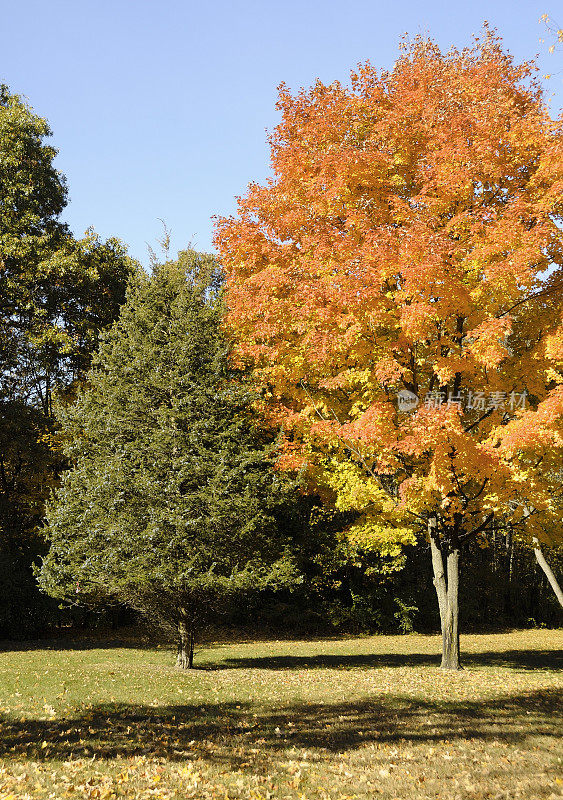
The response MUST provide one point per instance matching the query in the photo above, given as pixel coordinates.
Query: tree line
(314, 427)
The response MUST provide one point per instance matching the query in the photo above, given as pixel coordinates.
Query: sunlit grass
(355, 717)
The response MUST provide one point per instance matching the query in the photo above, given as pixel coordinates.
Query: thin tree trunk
(540, 558)
(507, 577)
(450, 630)
(438, 569)
(447, 591)
(185, 659)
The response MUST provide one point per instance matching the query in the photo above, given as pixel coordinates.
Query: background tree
(56, 293)
(410, 241)
(171, 502)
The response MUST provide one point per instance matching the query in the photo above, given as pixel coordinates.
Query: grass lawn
(355, 717)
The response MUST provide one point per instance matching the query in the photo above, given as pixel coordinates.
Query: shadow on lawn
(65, 643)
(520, 659)
(245, 735)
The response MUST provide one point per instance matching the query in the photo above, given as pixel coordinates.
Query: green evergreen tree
(173, 502)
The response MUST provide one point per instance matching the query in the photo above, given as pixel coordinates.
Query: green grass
(356, 717)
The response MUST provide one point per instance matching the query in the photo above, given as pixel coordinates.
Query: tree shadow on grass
(250, 736)
(67, 643)
(519, 659)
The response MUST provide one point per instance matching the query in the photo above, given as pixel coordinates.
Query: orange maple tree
(397, 288)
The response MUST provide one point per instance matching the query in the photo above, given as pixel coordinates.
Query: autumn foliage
(409, 241)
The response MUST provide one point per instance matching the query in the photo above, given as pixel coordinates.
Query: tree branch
(478, 529)
(544, 292)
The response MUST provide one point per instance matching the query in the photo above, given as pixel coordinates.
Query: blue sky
(160, 110)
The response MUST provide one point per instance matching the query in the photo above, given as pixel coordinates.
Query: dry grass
(363, 717)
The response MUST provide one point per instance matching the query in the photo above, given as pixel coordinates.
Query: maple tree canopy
(409, 241)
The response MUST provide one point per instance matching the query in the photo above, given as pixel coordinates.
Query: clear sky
(160, 109)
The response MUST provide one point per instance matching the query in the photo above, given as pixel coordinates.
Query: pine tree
(171, 503)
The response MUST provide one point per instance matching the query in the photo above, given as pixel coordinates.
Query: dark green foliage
(56, 293)
(33, 192)
(25, 613)
(173, 502)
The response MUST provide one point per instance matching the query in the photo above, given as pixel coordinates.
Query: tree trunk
(540, 558)
(450, 629)
(438, 569)
(185, 659)
(447, 591)
(508, 574)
